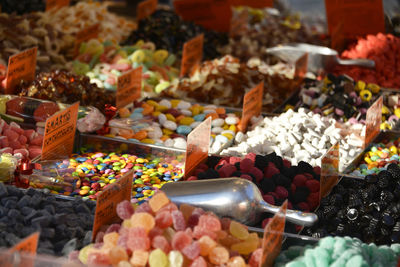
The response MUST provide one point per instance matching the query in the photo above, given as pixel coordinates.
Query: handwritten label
(329, 171)
(146, 8)
(107, 201)
(192, 55)
(252, 105)
(198, 142)
(21, 67)
(211, 14)
(84, 35)
(353, 14)
(27, 246)
(59, 133)
(373, 121)
(273, 236)
(253, 3)
(56, 4)
(239, 22)
(129, 87)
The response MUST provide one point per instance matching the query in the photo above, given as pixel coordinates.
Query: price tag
(28, 246)
(84, 35)
(359, 17)
(373, 121)
(211, 14)
(146, 8)
(329, 171)
(21, 67)
(198, 142)
(129, 87)
(107, 201)
(59, 133)
(252, 105)
(192, 55)
(253, 3)
(239, 22)
(56, 4)
(273, 236)
(301, 66)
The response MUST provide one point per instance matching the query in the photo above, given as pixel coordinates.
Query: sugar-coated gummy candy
(143, 219)
(199, 262)
(236, 261)
(111, 238)
(178, 220)
(155, 232)
(209, 222)
(158, 201)
(98, 258)
(175, 258)
(124, 264)
(219, 255)
(180, 240)
(163, 219)
(245, 247)
(238, 230)
(138, 239)
(125, 209)
(117, 254)
(162, 243)
(158, 258)
(206, 245)
(139, 258)
(192, 251)
(255, 258)
(186, 210)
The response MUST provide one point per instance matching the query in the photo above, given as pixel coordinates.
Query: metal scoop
(235, 198)
(319, 57)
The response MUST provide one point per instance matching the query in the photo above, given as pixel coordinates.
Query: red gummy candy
(37, 141)
(169, 207)
(255, 258)
(163, 219)
(313, 185)
(286, 163)
(299, 180)
(226, 170)
(113, 228)
(303, 206)
(251, 156)
(193, 220)
(180, 240)
(257, 173)
(281, 192)
(162, 243)
(225, 223)
(209, 222)
(98, 259)
(144, 207)
(178, 220)
(22, 139)
(317, 170)
(138, 239)
(199, 262)
(155, 232)
(11, 135)
(192, 251)
(247, 177)
(246, 164)
(44, 111)
(233, 160)
(308, 175)
(270, 170)
(125, 210)
(198, 232)
(269, 199)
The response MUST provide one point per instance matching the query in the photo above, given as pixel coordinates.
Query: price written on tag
(373, 121)
(273, 236)
(129, 87)
(56, 4)
(21, 67)
(352, 14)
(329, 171)
(84, 35)
(252, 105)
(146, 8)
(239, 22)
(198, 142)
(192, 55)
(59, 133)
(107, 201)
(253, 3)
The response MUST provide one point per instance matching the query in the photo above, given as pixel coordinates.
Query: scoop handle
(362, 62)
(294, 216)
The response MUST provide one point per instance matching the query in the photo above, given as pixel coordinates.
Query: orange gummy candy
(158, 201)
(139, 258)
(219, 255)
(117, 254)
(206, 245)
(143, 219)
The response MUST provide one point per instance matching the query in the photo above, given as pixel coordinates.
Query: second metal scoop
(319, 57)
(235, 198)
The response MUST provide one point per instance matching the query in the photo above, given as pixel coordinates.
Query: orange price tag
(192, 55)
(253, 3)
(21, 67)
(56, 4)
(146, 8)
(28, 246)
(359, 17)
(329, 171)
(373, 121)
(106, 206)
(301, 66)
(252, 105)
(198, 142)
(273, 236)
(84, 35)
(129, 87)
(59, 133)
(239, 22)
(211, 14)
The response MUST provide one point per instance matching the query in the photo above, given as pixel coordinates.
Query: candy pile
(90, 173)
(339, 98)
(296, 136)
(23, 144)
(276, 178)
(168, 31)
(65, 87)
(158, 234)
(265, 28)
(63, 225)
(382, 49)
(8, 164)
(378, 156)
(391, 112)
(173, 121)
(368, 209)
(103, 63)
(339, 251)
(224, 82)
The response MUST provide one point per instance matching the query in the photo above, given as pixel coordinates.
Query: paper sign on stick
(107, 201)
(129, 87)
(273, 236)
(329, 171)
(252, 105)
(56, 4)
(192, 55)
(373, 121)
(59, 133)
(198, 142)
(27, 246)
(21, 67)
(146, 8)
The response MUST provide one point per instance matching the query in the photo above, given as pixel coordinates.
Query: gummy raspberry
(270, 170)
(125, 210)
(303, 206)
(246, 164)
(269, 199)
(299, 180)
(257, 174)
(227, 170)
(313, 185)
(281, 192)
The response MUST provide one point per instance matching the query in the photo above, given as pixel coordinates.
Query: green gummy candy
(356, 261)
(309, 258)
(296, 264)
(170, 60)
(327, 243)
(322, 257)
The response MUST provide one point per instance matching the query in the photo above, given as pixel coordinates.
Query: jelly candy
(163, 219)
(255, 258)
(178, 220)
(161, 242)
(157, 258)
(117, 254)
(125, 209)
(175, 258)
(144, 220)
(192, 251)
(158, 201)
(111, 238)
(209, 222)
(138, 239)
(219, 255)
(139, 258)
(180, 240)
(186, 210)
(98, 258)
(199, 262)
(236, 261)
(206, 245)
(238, 230)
